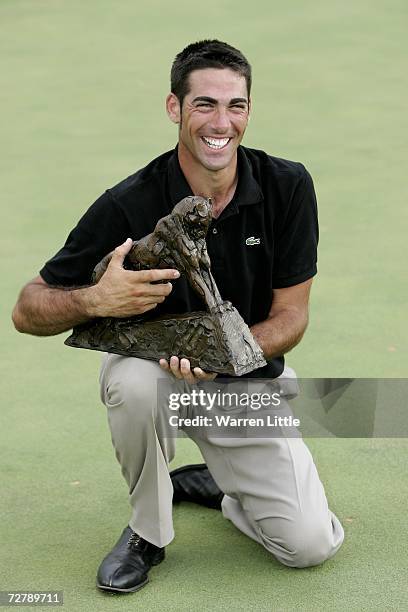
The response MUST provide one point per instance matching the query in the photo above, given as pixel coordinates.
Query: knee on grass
(305, 545)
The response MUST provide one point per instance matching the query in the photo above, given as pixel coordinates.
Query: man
(262, 245)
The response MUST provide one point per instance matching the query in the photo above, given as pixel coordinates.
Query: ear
(173, 108)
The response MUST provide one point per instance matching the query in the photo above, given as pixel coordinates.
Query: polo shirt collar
(178, 186)
(247, 192)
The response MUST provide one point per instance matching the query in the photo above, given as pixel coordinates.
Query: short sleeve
(101, 229)
(295, 257)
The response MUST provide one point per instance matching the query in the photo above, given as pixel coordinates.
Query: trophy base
(216, 341)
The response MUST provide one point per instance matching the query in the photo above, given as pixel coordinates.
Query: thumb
(121, 251)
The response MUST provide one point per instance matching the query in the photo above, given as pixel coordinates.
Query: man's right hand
(124, 293)
(46, 310)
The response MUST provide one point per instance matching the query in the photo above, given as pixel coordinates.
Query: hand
(181, 369)
(124, 293)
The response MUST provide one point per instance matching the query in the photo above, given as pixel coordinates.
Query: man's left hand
(181, 369)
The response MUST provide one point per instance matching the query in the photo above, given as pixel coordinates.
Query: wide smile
(215, 143)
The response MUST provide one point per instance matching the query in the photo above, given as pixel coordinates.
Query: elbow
(300, 324)
(18, 320)
(303, 325)
(26, 315)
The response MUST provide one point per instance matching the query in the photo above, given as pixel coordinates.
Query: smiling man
(211, 129)
(262, 243)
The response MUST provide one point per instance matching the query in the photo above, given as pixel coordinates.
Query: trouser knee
(131, 384)
(130, 396)
(297, 545)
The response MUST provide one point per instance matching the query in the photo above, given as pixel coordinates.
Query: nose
(220, 121)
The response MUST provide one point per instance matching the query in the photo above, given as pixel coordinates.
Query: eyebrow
(214, 101)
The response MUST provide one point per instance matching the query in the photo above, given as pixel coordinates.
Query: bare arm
(286, 322)
(43, 310)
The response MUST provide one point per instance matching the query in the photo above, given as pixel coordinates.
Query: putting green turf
(82, 103)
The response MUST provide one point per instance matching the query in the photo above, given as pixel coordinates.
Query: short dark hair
(206, 54)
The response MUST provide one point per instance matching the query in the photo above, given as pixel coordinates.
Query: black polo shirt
(265, 239)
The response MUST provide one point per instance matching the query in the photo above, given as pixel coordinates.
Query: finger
(150, 276)
(164, 365)
(185, 369)
(185, 366)
(146, 307)
(152, 300)
(120, 253)
(175, 366)
(157, 291)
(146, 290)
(201, 375)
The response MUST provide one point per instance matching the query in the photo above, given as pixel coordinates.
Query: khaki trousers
(273, 493)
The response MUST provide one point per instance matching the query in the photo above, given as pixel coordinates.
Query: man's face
(213, 118)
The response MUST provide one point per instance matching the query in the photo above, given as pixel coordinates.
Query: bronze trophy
(216, 340)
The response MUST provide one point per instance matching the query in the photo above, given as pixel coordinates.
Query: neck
(219, 185)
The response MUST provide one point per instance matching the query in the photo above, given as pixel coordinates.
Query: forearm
(44, 310)
(47, 311)
(281, 332)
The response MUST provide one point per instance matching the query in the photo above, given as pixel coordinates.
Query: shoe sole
(136, 588)
(113, 590)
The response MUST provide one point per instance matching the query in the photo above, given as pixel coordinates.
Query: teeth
(216, 143)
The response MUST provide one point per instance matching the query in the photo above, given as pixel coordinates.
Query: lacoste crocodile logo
(252, 240)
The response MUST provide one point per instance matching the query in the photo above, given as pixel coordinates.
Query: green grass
(82, 103)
